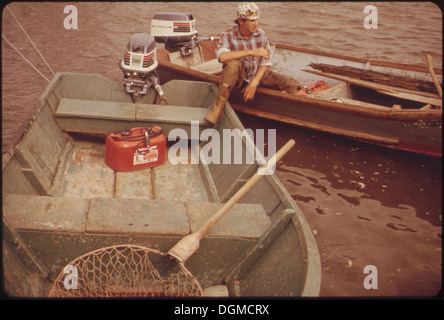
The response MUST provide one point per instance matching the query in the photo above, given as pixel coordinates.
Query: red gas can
(135, 149)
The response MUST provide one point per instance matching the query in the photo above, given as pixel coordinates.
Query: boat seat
(77, 115)
(131, 216)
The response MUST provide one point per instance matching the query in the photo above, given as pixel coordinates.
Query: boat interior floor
(88, 196)
(85, 174)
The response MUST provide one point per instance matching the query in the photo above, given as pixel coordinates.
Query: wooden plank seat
(77, 115)
(131, 216)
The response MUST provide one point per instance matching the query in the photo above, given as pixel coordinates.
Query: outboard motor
(176, 30)
(139, 65)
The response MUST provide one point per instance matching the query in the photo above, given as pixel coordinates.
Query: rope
(30, 40)
(24, 57)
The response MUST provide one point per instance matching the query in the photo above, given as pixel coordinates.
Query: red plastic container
(135, 149)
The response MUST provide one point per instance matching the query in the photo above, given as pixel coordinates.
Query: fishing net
(125, 271)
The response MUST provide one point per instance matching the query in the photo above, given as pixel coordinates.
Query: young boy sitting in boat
(244, 51)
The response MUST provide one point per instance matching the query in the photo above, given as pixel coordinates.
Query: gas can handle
(147, 139)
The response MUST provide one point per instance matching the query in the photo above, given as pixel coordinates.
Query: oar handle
(189, 244)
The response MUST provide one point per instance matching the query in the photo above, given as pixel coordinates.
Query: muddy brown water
(366, 205)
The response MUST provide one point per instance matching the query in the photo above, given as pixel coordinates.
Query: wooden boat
(61, 200)
(368, 100)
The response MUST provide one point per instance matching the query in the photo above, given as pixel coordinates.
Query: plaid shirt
(231, 40)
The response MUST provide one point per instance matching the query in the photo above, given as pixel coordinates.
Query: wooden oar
(190, 243)
(432, 73)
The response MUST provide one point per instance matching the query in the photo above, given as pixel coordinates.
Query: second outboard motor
(176, 30)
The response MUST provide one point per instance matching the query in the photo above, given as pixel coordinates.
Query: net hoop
(125, 271)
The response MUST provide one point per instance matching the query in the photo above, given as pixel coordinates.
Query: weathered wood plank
(170, 114)
(94, 109)
(107, 110)
(28, 212)
(377, 77)
(137, 217)
(401, 93)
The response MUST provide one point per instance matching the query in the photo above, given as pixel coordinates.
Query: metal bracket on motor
(131, 84)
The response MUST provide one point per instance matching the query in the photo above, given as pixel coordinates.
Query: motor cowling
(139, 65)
(176, 30)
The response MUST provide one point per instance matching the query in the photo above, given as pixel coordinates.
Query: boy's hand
(249, 91)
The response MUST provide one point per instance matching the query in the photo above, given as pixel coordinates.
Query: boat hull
(61, 200)
(415, 130)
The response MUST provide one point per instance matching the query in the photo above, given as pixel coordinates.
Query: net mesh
(125, 271)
